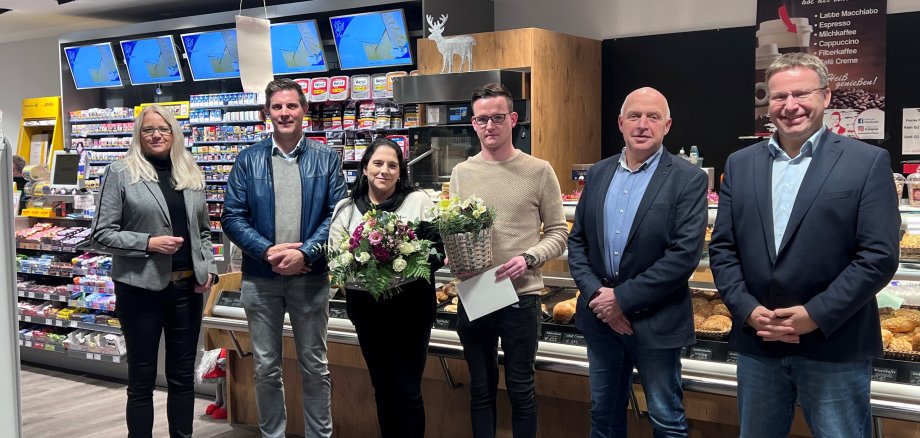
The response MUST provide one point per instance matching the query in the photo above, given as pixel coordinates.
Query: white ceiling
(31, 19)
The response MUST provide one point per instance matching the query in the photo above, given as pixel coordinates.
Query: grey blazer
(128, 214)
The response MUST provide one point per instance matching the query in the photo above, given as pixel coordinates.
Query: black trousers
(394, 335)
(144, 315)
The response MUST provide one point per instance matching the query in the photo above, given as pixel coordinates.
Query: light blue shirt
(276, 150)
(788, 174)
(623, 197)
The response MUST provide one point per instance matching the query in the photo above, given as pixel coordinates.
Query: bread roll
(886, 338)
(899, 324)
(915, 342)
(701, 306)
(563, 311)
(911, 314)
(721, 309)
(698, 321)
(717, 323)
(900, 344)
(442, 297)
(450, 308)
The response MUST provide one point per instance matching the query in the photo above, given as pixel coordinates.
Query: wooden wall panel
(493, 50)
(566, 102)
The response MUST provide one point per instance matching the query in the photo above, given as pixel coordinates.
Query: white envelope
(481, 295)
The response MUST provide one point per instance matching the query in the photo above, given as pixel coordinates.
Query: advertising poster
(910, 131)
(849, 36)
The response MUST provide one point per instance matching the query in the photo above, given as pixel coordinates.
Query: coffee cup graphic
(776, 32)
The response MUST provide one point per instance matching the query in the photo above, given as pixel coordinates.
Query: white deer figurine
(460, 45)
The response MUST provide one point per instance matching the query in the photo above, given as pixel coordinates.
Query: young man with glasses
(806, 235)
(525, 194)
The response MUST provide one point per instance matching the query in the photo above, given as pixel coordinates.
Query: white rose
(406, 248)
(344, 259)
(363, 257)
(399, 264)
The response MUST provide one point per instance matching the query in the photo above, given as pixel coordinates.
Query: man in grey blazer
(637, 238)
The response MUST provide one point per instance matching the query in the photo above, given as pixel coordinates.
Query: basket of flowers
(382, 253)
(466, 229)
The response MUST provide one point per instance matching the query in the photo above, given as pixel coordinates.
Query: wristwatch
(530, 260)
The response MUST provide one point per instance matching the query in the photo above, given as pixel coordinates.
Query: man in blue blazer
(807, 234)
(637, 238)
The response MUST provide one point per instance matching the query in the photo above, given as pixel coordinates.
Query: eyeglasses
(800, 96)
(495, 118)
(147, 131)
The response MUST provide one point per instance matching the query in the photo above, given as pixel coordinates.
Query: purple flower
(381, 254)
(357, 233)
(375, 237)
(411, 235)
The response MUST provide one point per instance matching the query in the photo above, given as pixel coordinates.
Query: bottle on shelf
(695, 156)
(683, 154)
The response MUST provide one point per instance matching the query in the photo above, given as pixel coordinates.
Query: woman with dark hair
(395, 367)
(153, 219)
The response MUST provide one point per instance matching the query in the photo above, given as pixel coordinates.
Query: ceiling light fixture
(61, 2)
(3, 11)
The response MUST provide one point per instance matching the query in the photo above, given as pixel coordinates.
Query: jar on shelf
(899, 182)
(913, 184)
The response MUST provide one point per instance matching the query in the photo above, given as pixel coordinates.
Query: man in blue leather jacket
(277, 209)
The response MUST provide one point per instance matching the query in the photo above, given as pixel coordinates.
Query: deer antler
(432, 23)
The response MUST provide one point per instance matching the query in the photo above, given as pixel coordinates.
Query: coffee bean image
(856, 98)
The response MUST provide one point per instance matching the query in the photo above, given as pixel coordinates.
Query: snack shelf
(95, 356)
(70, 324)
(42, 346)
(44, 296)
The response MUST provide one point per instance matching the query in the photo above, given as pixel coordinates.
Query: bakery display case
(708, 366)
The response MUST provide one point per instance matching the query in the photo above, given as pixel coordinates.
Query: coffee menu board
(849, 36)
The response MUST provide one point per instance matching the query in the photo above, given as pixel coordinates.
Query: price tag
(732, 357)
(89, 356)
(33, 295)
(441, 323)
(880, 374)
(552, 336)
(83, 202)
(915, 377)
(28, 344)
(74, 324)
(700, 353)
(97, 356)
(59, 323)
(116, 359)
(576, 339)
(27, 318)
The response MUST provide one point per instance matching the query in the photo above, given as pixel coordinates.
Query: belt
(181, 275)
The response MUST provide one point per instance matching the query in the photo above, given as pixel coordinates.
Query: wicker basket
(469, 252)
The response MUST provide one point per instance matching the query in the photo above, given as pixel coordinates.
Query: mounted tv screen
(152, 60)
(297, 48)
(93, 66)
(212, 55)
(371, 39)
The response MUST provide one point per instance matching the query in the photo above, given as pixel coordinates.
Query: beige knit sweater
(525, 194)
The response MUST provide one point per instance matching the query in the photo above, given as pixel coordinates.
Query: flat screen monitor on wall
(93, 66)
(297, 48)
(212, 55)
(371, 39)
(152, 60)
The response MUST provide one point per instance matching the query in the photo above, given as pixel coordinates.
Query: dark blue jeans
(834, 396)
(144, 315)
(518, 327)
(611, 358)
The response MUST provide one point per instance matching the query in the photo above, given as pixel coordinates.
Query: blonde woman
(152, 216)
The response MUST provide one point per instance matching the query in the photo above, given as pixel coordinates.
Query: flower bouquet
(466, 228)
(382, 253)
